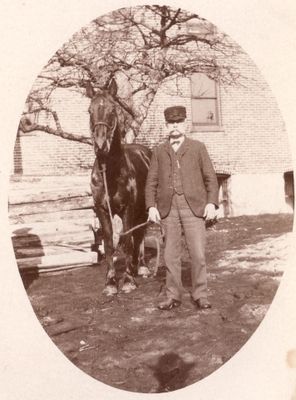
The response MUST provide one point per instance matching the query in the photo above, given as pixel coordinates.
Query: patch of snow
(271, 254)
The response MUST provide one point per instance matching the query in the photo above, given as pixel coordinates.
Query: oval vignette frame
(281, 297)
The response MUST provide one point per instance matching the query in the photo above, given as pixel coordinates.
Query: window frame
(217, 126)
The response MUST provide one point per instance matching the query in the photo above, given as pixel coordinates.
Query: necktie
(175, 142)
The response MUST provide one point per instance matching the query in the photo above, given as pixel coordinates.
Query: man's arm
(151, 188)
(209, 177)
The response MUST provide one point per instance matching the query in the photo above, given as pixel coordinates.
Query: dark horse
(125, 167)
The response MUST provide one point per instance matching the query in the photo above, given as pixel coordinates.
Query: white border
(31, 366)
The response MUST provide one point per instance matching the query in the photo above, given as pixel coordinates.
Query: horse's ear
(89, 90)
(112, 87)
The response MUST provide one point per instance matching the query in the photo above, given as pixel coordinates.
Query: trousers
(181, 218)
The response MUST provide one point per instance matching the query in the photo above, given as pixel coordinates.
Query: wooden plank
(29, 196)
(80, 240)
(59, 268)
(48, 184)
(78, 202)
(57, 260)
(51, 228)
(86, 215)
(45, 181)
(33, 250)
(64, 327)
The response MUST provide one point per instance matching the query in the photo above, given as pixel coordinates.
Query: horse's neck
(115, 159)
(116, 147)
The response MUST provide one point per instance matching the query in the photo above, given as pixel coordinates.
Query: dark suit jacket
(199, 180)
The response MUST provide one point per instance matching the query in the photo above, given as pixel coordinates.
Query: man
(182, 192)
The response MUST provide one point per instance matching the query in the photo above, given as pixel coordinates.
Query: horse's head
(103, 118)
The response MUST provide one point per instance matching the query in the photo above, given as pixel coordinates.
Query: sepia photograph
(150, 206)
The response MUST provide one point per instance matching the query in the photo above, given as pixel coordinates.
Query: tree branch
(26, 128)
(148, 44)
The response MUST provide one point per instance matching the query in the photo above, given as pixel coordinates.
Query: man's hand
(210, 212)
(153, 215)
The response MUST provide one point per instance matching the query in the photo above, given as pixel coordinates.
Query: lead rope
(106, 192)
(135, 227)
(109, 206)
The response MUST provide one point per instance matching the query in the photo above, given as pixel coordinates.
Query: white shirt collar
(177, 145)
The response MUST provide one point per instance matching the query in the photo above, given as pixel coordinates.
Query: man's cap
(175, 114)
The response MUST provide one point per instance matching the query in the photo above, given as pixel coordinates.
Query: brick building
(240, 125)
(245, 135)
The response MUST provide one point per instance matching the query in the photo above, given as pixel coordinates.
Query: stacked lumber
(33, 196)
(50, 222)
(51, 219)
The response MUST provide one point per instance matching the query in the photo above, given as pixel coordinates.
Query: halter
(111, 128)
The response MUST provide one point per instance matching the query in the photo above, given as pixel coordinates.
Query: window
(289, 188)
(205, 101)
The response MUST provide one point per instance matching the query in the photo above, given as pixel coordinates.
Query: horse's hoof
(128, 287)
(110, 290)
(144, 272)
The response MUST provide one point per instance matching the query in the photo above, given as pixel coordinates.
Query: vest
(177, 181)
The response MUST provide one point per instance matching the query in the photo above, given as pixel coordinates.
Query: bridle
(111, 128)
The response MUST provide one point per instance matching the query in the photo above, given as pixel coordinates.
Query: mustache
(182, 131)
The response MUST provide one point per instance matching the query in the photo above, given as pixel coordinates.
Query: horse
(118, 180)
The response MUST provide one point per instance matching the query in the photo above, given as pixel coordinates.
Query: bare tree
(142, 47)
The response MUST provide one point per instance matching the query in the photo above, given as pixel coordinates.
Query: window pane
(202, 86)
(204, 111)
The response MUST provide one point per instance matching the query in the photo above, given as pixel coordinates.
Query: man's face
(176, 128)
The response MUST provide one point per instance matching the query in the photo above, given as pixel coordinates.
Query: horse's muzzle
(101, 154)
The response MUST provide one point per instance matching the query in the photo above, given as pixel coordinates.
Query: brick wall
(43, 154)
(252, 137)
(39, 153)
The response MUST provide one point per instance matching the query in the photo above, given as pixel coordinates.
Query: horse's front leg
(127, 242)
(139, 253)
(111, 284)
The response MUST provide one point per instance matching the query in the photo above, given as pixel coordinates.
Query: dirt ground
(126, 342)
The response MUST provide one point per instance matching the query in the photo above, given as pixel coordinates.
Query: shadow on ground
(126, 342)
